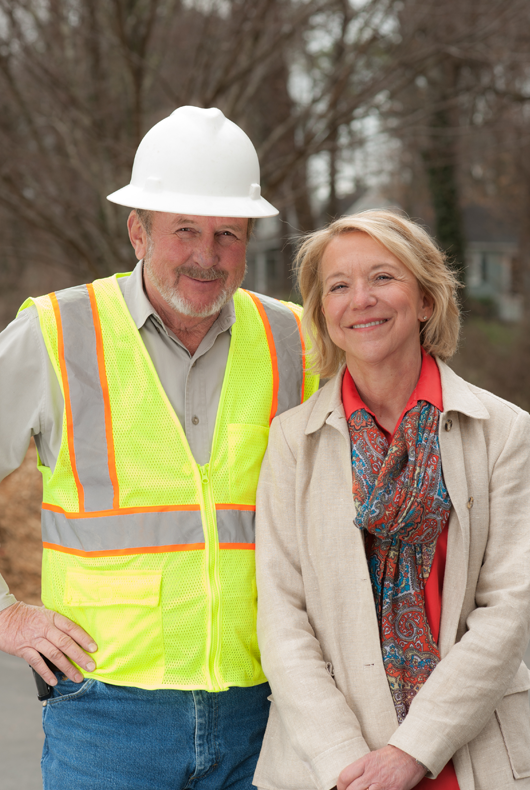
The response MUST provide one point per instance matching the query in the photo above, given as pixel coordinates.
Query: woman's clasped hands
(388, 768)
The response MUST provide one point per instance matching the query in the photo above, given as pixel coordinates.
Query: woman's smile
(369, 324)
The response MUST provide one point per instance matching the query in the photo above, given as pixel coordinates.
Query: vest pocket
(513, 715)
(246, 448)
(110, 588)
(121, 610)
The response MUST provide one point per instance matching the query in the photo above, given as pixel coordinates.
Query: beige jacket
(317, 626)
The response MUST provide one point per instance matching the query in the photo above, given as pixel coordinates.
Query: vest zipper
(214, 585)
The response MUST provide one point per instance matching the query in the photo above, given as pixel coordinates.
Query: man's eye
(226, 238)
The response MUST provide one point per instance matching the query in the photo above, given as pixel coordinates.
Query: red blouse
(428, 388)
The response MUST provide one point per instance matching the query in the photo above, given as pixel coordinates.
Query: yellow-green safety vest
(152, 554)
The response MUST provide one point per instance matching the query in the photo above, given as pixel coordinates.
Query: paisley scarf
(401, 500)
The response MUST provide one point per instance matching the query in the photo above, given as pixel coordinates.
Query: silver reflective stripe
(236, 526)
(143, 530)
(86, 397)
(124, 531)
(288, 351)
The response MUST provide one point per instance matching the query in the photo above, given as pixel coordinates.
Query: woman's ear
(426, 307)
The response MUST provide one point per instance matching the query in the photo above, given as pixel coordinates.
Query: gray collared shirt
(32, 403)
(192, 383)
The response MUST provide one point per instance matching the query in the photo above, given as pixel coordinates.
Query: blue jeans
(103, 737)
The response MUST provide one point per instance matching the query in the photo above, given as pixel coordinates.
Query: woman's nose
(361, 296)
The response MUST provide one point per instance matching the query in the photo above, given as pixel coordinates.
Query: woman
(393, 545)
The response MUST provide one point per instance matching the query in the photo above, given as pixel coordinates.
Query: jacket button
(195, 420)
(470, 503)
(448, 425)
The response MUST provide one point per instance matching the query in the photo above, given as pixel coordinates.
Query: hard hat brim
(200, 205)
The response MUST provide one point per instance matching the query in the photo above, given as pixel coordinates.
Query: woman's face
(372, 303)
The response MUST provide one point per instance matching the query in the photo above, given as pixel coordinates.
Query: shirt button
(195, 420)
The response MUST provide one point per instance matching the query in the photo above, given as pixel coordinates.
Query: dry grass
(20, 533)
(496, 357)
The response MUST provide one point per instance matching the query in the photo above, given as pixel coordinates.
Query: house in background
(273, 245)
(492, 252)
(265, 259)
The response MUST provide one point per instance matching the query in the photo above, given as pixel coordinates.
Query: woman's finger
(350, 774)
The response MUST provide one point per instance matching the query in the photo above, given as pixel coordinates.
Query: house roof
(483, 225)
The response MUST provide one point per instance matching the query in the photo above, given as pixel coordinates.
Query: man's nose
(205, 253)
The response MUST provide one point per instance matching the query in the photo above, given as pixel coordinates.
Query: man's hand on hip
(26, 631)
(388, 768)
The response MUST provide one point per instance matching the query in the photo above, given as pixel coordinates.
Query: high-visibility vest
(149, 552)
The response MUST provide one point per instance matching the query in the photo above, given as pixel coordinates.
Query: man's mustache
(197, 273)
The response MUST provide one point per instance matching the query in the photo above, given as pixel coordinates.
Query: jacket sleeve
(462, 693)
(322, 729)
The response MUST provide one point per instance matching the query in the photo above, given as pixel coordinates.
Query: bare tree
(82, 80)
(436, 116)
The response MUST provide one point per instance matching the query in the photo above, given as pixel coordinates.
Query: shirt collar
(428, 388)
(328, 407)
(141, 308)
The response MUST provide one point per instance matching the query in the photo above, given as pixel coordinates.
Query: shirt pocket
(246, 448)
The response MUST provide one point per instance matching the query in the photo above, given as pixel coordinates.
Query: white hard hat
(196, 162)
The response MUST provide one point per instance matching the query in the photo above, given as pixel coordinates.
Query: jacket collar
(457, 396)
(328, 405)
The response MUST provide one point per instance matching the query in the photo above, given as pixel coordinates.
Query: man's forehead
(200, 221)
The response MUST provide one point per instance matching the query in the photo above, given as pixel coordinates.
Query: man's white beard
(183, 306)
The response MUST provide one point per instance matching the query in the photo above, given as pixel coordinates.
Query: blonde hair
(416, 250)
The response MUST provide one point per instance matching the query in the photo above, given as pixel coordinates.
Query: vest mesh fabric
(148, 462)
(175, 615)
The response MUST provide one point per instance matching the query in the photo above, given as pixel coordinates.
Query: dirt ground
(20, 534)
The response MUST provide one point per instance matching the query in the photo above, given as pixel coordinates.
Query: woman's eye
(383, 277)
(337, 287)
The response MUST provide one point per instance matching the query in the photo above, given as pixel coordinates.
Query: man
(150, 396)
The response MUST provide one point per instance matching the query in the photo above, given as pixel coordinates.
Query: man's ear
(137, 235)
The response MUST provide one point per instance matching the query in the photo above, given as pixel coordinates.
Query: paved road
(21, 735)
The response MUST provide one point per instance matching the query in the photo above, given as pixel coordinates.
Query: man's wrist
(6, 601)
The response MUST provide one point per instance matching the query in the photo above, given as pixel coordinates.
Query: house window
(487, 275)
